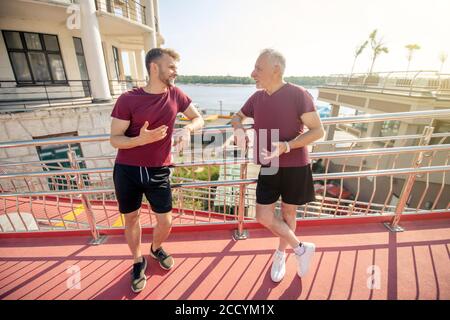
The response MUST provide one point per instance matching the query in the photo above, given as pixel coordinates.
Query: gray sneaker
(138, 278)
(165, 260)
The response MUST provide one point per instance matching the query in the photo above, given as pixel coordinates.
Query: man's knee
(289, 214)
(288, 210)
(132, 218)
(264, 218)
(164, 221)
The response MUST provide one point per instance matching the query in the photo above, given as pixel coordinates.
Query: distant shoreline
(313, 81)
(233, 85)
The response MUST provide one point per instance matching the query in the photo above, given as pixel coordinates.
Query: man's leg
(162, 229)
(133, 234)
(160, 234)
(289, 215)
(265, 214)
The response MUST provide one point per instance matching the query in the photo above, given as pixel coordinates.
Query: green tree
(357, 53)
(378, 47)
(411, 48)
(442, 58)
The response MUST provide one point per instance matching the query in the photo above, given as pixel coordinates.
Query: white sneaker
(278, 266)
(304, 260)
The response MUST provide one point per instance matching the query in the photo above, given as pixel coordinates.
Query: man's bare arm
(196, 118)
(315, 132)
(236, 120)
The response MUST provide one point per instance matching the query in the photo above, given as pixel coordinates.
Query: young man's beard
(166, 80)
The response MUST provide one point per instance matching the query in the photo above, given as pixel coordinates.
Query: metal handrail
(241, 183)
(237, 182)
(367, 118)
(16, 95)
(136, 14)
(342, 81)
(313, 155)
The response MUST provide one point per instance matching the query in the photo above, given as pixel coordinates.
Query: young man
(281, 109)
(142, 128)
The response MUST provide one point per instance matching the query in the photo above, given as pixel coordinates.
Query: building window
(80, 58)
(35, 57)
(55, 156)
(390, 128)
(116, 61)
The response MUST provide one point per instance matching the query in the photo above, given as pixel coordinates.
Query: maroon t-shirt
(281, 110)
(138, 106)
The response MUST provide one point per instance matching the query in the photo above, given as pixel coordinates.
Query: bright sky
(317, 37)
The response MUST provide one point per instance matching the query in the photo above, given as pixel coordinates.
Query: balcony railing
(22, 96)
(129, 9)
(117, 87)
(412, 83)
(212, 186)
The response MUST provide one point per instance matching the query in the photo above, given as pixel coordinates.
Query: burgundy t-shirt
(138, 106)
(281, 110)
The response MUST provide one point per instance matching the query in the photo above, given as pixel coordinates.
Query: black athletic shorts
(131, 182)
(294, 185)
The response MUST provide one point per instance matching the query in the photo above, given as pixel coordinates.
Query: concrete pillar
(332, 128)
(374, 129)
(140, 65)
(156, 14)
(150, 37)
(149, 41)
(133, 69)
(92, 43)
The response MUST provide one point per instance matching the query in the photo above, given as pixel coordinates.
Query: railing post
(240, 233)
(384, 83)
(46, 94)
(412, 82)
(97, 238)
(407, 187)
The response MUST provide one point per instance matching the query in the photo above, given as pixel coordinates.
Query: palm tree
(358, 52)
(411, 48)
(377, 47)
(442, 58)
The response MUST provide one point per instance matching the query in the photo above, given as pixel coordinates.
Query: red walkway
(209, 265)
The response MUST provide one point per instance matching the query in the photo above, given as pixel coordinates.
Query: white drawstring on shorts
(148, 176)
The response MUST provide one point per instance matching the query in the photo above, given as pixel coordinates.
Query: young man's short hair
(154, 54)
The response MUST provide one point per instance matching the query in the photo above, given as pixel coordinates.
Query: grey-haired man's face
(263, 72)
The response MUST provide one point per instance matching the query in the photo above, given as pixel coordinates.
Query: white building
(61, 66)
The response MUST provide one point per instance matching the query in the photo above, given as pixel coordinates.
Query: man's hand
(182, 139)
(148, 136)
(240, 138)
(278, 148)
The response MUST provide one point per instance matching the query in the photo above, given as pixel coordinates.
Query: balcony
(396, 219)
(128, 9)
(418, 84)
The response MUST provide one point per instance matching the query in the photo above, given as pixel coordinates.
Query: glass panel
(33, 42)
(57, 67)
(83, 68)
(51, 43)
(13, 40)
(20, 65)
(78, 46)
(116, 61)
(116, 53)
(39, 66)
